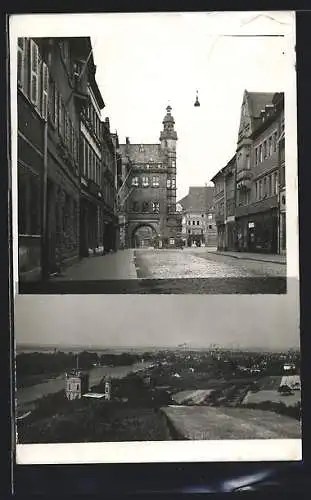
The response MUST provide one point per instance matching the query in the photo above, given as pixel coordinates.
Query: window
(85, 157)
(256, 156)
(135, 181)
(173, 163)
(52, 102)
(210, 216)
(21, 48)
(45, 91)
(275, 141)
(155, 181)
(198, 222)
(264, 187)
(145, 181)
(269, 183)
(61, 117)
(141, 148)
(260, 190)
(159, 165)
(276, 183)
(34, 73)
(193, 222)
(173, 183)
(189, 232)
(189, 222)
(260, 153)
(210, 227)
(155, 206)
(270, 146)
(134, 206)
(145, 206)
(168, 183)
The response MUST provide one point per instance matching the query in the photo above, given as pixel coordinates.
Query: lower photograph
(107, 369)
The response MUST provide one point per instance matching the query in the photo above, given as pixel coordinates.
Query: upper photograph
(151, 156)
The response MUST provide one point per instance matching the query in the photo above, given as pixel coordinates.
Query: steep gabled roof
(257, 101)
(142, 152)
(199, 199)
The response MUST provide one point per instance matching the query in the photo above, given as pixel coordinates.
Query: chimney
(107, 122)
(127, 140)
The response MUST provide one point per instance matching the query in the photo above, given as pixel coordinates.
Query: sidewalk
(261, 257)
(118, 265)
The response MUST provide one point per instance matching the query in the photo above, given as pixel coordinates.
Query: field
(268, 391)
(202, 423)
(273, 396)
(192, 397)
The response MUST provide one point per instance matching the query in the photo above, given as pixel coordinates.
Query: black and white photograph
(155, 237)
(151, 155)
(205, 369)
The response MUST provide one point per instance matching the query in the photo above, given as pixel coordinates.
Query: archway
(144, 236)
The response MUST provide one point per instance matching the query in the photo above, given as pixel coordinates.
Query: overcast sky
(167, 320)
(147, 61)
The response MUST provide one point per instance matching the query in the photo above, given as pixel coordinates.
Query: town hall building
(149, 194)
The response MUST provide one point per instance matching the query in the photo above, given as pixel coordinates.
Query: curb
(249, 258)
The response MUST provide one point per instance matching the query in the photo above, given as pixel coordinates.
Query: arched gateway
(144, 235)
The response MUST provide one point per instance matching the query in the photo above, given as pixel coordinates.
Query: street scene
(106, 196)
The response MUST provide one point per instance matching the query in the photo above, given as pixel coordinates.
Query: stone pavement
(116, 265)
(277, 259)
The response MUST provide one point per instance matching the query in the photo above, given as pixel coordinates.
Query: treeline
(37, 363)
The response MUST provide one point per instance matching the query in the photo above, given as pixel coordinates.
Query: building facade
(65, 191)
(225, 206)
(250, 190)
(149, 194)
(198, 217)
(258, 174)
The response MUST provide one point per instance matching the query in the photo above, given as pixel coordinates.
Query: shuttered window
(21, 48)
(34, 73)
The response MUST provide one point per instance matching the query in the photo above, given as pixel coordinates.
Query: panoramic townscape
(96, 207)
(156, 395)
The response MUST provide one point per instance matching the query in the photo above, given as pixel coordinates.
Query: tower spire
(168, 133)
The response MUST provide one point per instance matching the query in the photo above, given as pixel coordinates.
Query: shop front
(258, 232)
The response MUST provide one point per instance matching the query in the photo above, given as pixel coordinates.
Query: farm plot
(273, 397)
(192, 397)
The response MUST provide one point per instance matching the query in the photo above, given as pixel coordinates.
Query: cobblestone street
(202, 263)
(165, 271)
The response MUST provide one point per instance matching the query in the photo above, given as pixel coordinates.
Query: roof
(199, 199)
(226, 168)
(201, 422)
(150, 152)
(257, 101)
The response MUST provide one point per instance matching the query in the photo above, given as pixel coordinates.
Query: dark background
(111, 480)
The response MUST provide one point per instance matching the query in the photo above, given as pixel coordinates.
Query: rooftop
(199, 199)
(142, 152)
